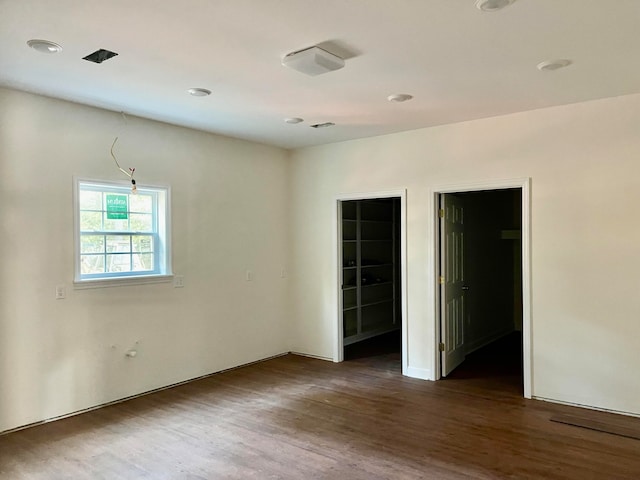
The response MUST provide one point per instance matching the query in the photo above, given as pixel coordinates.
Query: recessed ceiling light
(322, 125)
(399, 97)
(199, 92)
(44, 46)
(492, 5)
(551, 65)
(293, 120)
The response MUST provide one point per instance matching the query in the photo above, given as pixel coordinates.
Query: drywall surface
(583, 163)
(229, 215)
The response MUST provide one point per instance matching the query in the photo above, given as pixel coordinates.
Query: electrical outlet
(283, 273)
(61, 292)
(178, 281)
(249, 276)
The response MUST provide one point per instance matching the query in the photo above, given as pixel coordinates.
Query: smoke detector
(313, 61)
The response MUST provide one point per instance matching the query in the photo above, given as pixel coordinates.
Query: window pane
(143, 243)
(115, 225)
(142, 261)
(129, 243)
(140, 203)
(118, 243)
(92, 244)
(90, 221)
(141, 222)
(90, 200)
(91, 264)
(119, 262)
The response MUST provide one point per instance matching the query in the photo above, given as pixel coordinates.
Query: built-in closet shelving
(370, 268)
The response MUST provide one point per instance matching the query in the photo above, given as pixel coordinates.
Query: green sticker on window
(117, 207)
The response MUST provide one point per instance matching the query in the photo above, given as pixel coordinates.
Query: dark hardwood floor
(496, 367)
(299, 418)
(385, 348)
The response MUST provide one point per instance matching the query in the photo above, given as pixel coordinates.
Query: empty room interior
(341, 239)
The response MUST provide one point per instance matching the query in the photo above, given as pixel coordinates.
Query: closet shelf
(370, 268)
(378, 302)
(375, 284)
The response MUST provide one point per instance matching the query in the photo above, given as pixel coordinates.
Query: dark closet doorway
(481, 286)
(371, 279)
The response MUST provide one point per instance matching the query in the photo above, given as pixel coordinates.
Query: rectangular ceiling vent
(322, 125)
(100, 56)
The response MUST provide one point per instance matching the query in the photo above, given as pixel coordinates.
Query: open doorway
(481, 300)
(371, 265)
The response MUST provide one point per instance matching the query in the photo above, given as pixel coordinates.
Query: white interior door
(452, 282)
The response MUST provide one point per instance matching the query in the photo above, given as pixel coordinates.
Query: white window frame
(161, 232)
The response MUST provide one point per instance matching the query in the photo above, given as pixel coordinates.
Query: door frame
(338, 350)
(525, 185)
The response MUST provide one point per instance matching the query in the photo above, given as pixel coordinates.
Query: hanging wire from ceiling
(131, 171)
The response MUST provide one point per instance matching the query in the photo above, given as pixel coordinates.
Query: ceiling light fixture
(492, 5)
(44, 46)
(399, 97)
(551, 65)
(313, 61)
(199, 92)
(293, 120)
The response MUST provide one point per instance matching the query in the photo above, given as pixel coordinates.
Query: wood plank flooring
(299, 418)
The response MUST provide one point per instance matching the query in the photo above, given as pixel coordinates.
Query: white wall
(583, 160)
(239, 205)
(229, 215)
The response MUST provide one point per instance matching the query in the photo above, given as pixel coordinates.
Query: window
(121, 234)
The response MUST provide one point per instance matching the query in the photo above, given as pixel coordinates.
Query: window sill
(121, 282)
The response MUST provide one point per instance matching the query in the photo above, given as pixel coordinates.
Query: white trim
(121, 281)
(163, 219)
(588, 407)
(527, 333)
(338, 352)
(309, 355)
(137, 395)
(421, 373)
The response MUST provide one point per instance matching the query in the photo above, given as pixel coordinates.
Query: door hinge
(441, 280)
(441, 213)
(441, 347)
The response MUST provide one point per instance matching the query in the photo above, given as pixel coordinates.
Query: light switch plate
(61, 292)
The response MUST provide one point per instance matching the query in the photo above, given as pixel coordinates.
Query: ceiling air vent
(322, 125)
(100, 56)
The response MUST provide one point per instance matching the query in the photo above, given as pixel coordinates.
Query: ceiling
(458, 62)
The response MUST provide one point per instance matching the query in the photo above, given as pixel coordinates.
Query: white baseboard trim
(309, 355)
(588, 407)
(420, 373)
(131, 397)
